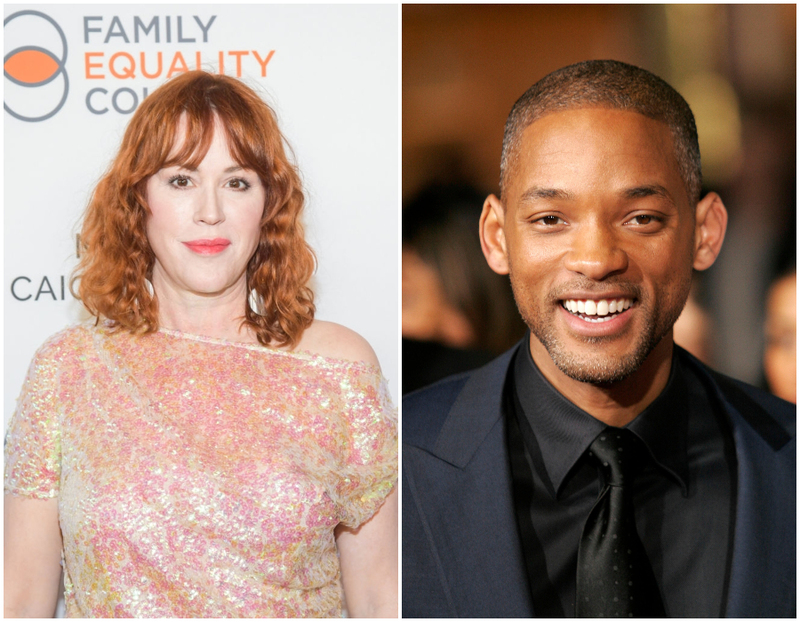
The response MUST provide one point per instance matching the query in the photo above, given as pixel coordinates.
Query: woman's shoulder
(67, 350)
(72, 339)
(335, 341)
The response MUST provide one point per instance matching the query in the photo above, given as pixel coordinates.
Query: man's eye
(644, 220)
(550, 220)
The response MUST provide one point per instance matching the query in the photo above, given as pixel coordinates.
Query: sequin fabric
(197, 477)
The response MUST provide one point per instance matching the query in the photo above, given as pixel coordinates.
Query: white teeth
(594, 319)
(600, 308)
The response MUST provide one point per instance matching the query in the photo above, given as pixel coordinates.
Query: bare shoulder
(336, 341)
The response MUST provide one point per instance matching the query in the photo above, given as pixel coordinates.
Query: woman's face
(204, 224)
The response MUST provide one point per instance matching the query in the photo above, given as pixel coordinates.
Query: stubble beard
(601, 369)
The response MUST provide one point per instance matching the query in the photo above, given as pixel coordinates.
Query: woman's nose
(209, 209)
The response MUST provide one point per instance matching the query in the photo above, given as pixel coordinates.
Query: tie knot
(620, 453)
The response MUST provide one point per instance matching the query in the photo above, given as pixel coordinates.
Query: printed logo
(36, 77)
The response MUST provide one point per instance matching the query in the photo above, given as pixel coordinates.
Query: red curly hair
(116, 257)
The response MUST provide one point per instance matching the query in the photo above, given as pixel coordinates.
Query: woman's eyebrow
(193, 169)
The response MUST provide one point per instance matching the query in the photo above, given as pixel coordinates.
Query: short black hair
(608, 84)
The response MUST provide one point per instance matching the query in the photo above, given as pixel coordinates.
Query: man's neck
(614, 404)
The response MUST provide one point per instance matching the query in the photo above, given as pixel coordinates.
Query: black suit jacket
(461, 551)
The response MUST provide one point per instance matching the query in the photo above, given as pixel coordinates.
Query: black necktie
(614, 576)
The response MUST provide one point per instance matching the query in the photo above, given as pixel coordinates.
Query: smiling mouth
(602, 310)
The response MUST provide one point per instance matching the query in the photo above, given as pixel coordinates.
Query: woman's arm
(368, 557)
(32, 565)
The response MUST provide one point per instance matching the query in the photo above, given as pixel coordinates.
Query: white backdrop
(330, 73)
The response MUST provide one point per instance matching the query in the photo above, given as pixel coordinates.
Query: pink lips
(208, 247)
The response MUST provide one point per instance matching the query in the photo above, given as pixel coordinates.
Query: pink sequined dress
(197, 477)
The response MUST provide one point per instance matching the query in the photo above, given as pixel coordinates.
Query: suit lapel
(463, 491)
(764, 530)
(759, 581)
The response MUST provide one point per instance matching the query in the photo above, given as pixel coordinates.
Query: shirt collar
(565, 431)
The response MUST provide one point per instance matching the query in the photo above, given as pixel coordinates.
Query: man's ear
(711, 220)
(493, 237)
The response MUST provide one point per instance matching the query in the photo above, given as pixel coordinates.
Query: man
(510, 507)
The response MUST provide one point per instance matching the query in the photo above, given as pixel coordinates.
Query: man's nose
(596, 252)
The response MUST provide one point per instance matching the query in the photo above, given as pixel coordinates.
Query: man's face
(599, 238)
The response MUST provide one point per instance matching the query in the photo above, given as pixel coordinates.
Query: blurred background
(465, 66)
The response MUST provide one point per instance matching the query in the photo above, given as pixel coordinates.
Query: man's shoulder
(772, 417)
(425, 410)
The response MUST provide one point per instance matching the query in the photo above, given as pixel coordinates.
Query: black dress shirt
(684, 498)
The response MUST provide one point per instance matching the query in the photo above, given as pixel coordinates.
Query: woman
(205, 448)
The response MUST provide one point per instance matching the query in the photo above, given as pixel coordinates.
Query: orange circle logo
(35, 67)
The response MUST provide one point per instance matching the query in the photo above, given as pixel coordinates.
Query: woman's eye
(238, 184)
(644, 219)
(179, 181)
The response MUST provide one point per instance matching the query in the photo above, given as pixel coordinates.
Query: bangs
(253, 135)
(182, 128)
(197, 127)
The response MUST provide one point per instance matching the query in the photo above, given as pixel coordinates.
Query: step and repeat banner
(75, 74)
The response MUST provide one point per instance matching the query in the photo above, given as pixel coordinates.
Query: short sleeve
(369, 465)
(33, 441)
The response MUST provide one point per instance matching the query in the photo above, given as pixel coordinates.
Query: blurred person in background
(780, 334)
(694, 329)
(457, 313)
